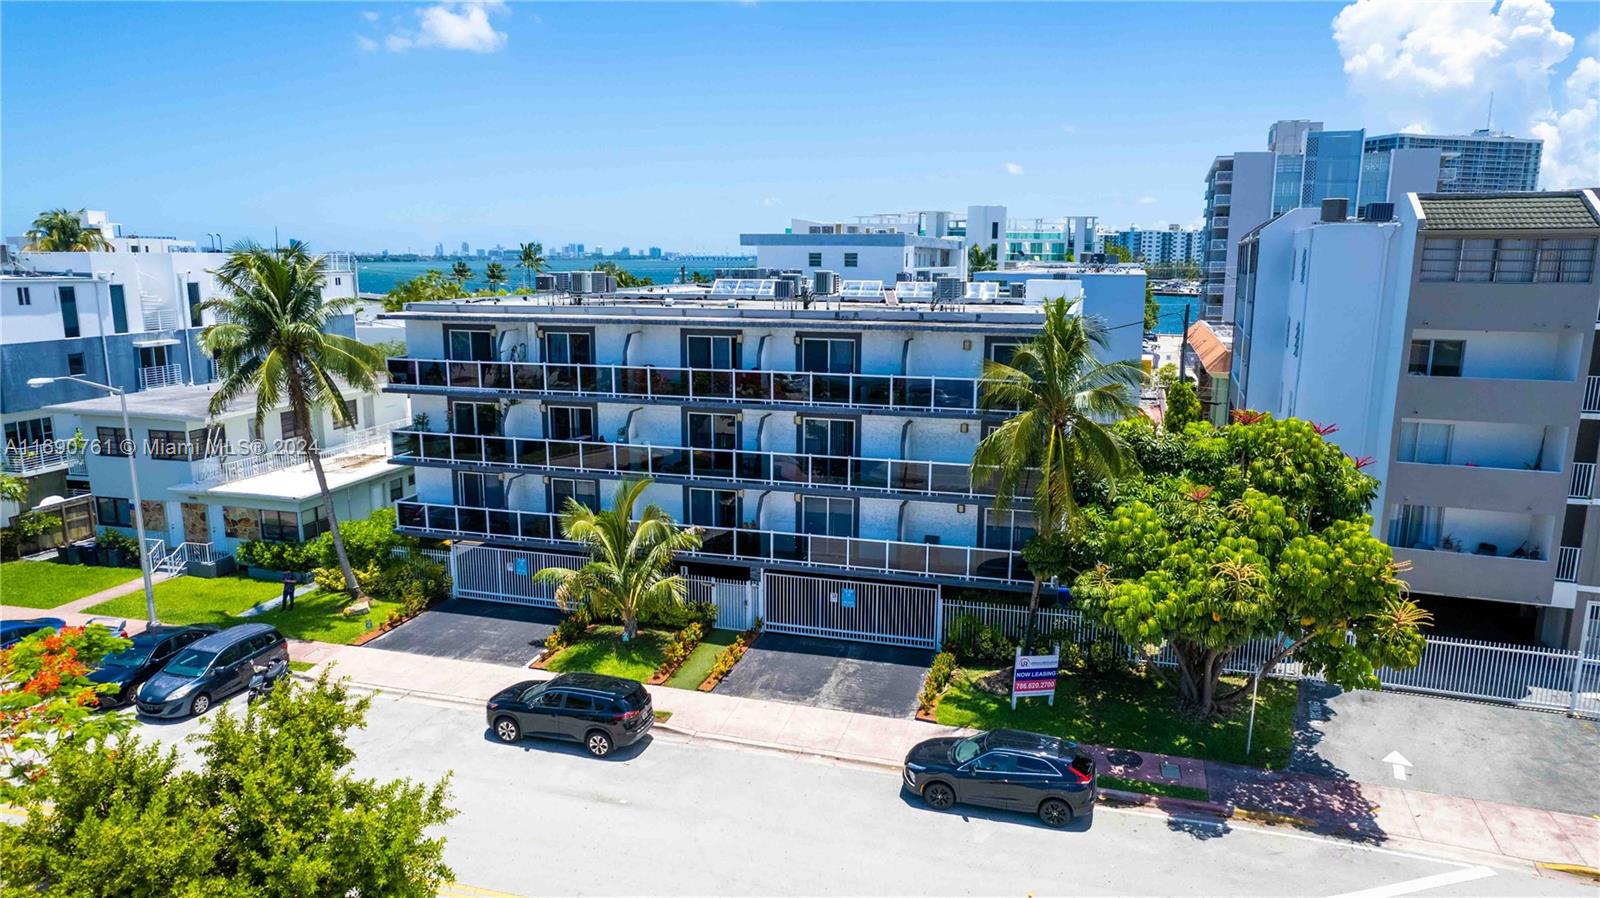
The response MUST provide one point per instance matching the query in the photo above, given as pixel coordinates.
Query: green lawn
(1166, 790)
(197, 600)
(300, 666)
(46, 584)
(694, 669)
(1132, 712)
(604, 652)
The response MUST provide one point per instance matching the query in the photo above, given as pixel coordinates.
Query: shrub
(111, 539)
(328, 579)
(939, 674)
(976, 644)
(276, 556)
(678, 649)
(415, 582)
(731, 655)
(570, 630)
(679, 616)
(1105, 659)
(367, 541)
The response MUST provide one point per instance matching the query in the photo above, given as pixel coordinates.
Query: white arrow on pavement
(1398, 761)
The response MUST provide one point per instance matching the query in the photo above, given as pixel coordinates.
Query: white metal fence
(738, 601)
(505, 575)
(848, 609)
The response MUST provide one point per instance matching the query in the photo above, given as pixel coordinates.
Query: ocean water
(381, 277)
(1172, 306)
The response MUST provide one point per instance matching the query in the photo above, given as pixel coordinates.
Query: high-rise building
(465, 249)
(1239, 194)
(1172, 245)
(1453, 346)
(438, 250)
(655, 252)
(1481, 162)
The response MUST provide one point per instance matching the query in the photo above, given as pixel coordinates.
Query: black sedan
(1011, 770)
(151, 649)
(598, 711)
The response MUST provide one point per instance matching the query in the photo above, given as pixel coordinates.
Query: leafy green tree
(978, 259)
(47, 701)
(699, 277)
(430, 286)
(271, 340)
(1118, 252)
(1261, 534)
(495, 274)
(530, 258)
(62, 231)
(1183, 406)
(13, 489)
(1064, 400)
(626, 279)
(272, 811)
(1152, 309)
(462, 272)
(629, 560)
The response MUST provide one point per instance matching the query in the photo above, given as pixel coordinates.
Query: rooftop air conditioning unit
(1335, 209)
(544, 283)
(949, 289)
(563, 281)
(825, 283)
(1018, 290)
(1380, 212)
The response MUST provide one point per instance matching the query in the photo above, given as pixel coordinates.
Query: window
(314, 523)
(338, 281)
(584, 492)
(112, 440)
(825, 355)
(113, 512)
(994, 230)
(289, 426)
(713, 430)
(1007, 529)
(1437, 358)
(194, 304)
(996, 762)
(480, 418)
(714, 508)
(709, 351)
(30, 432)
(569, 422)
(1509, 261)
(1425, 442)
(568, 348)
(1002, 351)
(206, 442)
(69, 311)
(152, 356)
(119, 310)
(814, 260)
(168, 445)
(470, 345)
(24, 298)
(850, 260)
(576, 702)
(397, 489)
(480, 490)
(233, 654)
(350, 416)
(1416, 526)
(1036, 766)
(828, 436)
(823, 516)
(283, 526)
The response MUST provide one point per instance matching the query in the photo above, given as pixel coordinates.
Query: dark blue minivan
(211, 669)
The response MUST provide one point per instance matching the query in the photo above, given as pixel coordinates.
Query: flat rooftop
(299, 483)
(189, 403)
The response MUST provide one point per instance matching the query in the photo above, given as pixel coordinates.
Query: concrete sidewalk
(1342, 807)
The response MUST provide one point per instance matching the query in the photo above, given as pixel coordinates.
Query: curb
(1582, 870)
(1219, 809)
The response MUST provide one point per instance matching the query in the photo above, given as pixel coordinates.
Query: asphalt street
(677, 818)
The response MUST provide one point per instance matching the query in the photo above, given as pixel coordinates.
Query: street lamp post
(133, 479)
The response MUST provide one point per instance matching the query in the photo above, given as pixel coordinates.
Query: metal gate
(505, 575)
(737, 601)
(850, 609)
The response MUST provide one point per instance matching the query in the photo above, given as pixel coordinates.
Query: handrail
(222, 469)
(733, 465)
(154, 376)
(38, 457)
(886, 391)
(854, 553)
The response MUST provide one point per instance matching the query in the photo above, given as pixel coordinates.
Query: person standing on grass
(288, 590)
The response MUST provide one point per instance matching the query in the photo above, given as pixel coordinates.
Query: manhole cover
(1124, 758)
(1170, 770)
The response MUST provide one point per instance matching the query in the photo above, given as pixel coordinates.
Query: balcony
(690, 465)
(871, 556)
(160, 376)
(952, 396)
(1567, 564)
(39, 459)
(1582, 486)
(223, 469)
(1591, 394)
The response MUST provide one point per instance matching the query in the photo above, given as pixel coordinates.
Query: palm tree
(531, 258)
(628, 559)
(495, 274)
(462, 272)
(62, 231)
(1065, 401)
(270, 339)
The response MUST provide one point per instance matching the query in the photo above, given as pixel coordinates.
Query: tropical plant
(270, 340)
(1118, 253)
(429, 286)
(530, 258)
(1059, 437)
(978, 259)
(699, 277)
(63, 231)
(47, 701)
(626, 279)
(1152, 309)
(495, 274)
(629, 559)
(462, 272)
(1183, 406)
(13, 489)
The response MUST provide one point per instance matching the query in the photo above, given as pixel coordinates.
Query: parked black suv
(131, 667)
(1007, 769)
(601, 712)
(211, 669)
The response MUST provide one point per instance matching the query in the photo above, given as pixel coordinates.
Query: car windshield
(966, 750)
(132, 657)
(190, 663)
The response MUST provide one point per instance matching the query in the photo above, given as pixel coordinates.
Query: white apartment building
(1453, 348)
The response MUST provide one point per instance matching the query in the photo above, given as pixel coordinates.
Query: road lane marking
(1398, 762)
(1454, 877)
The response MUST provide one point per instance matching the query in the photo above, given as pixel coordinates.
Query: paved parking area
(473, 631)
(1468, 749)
(830, 673)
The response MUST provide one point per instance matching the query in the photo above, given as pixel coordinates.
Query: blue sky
(394, 125)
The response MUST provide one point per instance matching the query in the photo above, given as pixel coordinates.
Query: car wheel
(200, 705)
(938, 796)
(506, 730)
(1054, 812)
(598, 742)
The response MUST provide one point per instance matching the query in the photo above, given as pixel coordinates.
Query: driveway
(473, 631)
(830, 673)
(1469, 749)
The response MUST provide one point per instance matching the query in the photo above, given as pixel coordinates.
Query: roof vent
(1335, 209)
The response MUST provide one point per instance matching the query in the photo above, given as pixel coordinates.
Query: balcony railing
(160, 376)
(1582, 481)
(1591, 394)
(760, 546)
(29, 460)
(732, 465)
(223, 469)
(1567, 564)
(875, 391)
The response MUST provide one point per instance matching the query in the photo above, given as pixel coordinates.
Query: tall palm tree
(462, 272)
(495, 274)
(628, 560)
(531, 258)
(62, 231)
(270, 339)
(1065, 401)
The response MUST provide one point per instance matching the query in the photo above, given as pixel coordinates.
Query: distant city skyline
(495, 126)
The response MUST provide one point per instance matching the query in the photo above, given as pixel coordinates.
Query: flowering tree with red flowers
(47, 700)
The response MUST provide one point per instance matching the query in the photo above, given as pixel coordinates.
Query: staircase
(176, 562)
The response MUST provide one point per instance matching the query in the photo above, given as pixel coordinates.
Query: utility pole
(1183, 347)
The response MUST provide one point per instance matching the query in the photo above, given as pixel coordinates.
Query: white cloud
(1433, 66)
(370, 16)
(367, 44)
(453, 26)
(771, 201)
(1147, 200)
(1013, 168)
